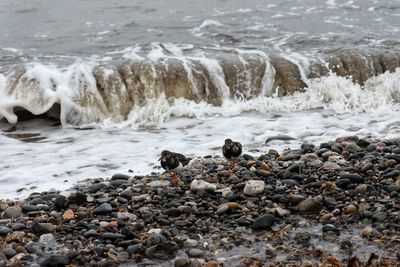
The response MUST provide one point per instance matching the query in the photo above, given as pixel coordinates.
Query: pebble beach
(330, 204)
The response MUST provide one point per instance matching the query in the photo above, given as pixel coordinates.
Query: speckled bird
(231, 149)
(171, 160)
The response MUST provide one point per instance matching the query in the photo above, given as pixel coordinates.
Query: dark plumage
(231, 149)
(171, 160)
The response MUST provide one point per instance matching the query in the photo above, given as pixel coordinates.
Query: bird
(231, 149)
(171, 160)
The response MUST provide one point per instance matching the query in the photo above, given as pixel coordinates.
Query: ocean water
(110, 84)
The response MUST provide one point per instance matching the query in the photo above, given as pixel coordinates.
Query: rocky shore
(336, 204)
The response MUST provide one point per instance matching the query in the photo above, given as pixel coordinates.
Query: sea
(97, 87)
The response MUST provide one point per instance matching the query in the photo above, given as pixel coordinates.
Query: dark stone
(120, 176)
(379, 216)
(154, 239)
(133, 249)
(18, 226)
(127, 193)
(4, 231)
(248, 157)
(173, 212)
(40, 228)
(55, 261)
(112, 236)
(393, 188)
(117, 183)
(196, 253)
(263, 222)
(37, 201)
(290, 182)
(96, 187)
(303, 238)
(28, 208)
(90, 233)
(353, 177)
(310, 206)
(9, 252)
(342, 183)
(77, 198)
(103, 209)
(60, 202)
(330, 228)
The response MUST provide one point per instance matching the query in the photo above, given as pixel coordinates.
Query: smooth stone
(96, 187)
(127, 193)
(331, 166)
(329, 228)
(103, 209)
(155, 239)
(37, 201)
(133, 249)
(342, 183)
(294, 198)
(362, 188)
(55, 261)
(112, 236)
(379, 216)
(60, 202)
(12, 212)
(18, 226)
(172, 212)
(196, 253)
(9, 252)
(254, 187)
(77, 198)
(393, 188)
(263, 222)
(3, 258)
(28, 208)
(120, 176)
(159, 183)
(270, 251)
(117, 183)
(190, 243)
(182, 262)
(4, 231)
(200, 185)
(310, 206)
(90, 233)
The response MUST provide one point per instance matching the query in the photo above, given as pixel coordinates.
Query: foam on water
(331, 107)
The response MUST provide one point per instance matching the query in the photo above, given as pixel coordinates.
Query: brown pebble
(211, 264)
(350, 209)
(68, 215)
(390, 163)
(265, 167)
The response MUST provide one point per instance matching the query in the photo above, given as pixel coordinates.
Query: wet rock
(78, 198)
(329, 228)
(263, 222)
(9, 252)
(104, 208)
(310, 206)
(55, 261)
(133, 249)
(127, 193)
(112, 236)
(12, 212)
(353, 177)
(254, 187)
(379, 216)
(331, 166)
(120, 176)
(60, 202)
(96, 187)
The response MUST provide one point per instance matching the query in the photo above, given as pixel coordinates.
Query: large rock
(198, 185)
(263, 222)
(254, 187)
(12, 212)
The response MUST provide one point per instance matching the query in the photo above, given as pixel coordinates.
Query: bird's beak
(159, 159)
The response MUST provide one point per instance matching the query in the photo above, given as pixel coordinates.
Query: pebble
(263, 222)
(197, 185)
(103, 209)
(55, 261)
(196, 253)
(310, 206)
(182, 262)
(12, 212)
(4, 231)
(254, 187)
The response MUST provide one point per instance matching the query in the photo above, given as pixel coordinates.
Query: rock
(117, 183)
(159, 183)
(310, 206)
(29, 208)
(393, 188)
(90, 233)
(120, 176)
(263, 222)
(12, 212)
(3, 258)
(41, 228)
(182, 262)
(48, 240)
(172, 212)
(103, 209)
(254, 187)
(127, 193)
(196, 253)
(330, 228)
(198, 185)
(68, 215)
(190, 243)
(379, 216)
(55, 261)
(353, 177)
(133, 249)
(96, 187)
(4, 231)
(367, 231)
(60, 202)
(112, 236)
(9, 252)
(78, 198)
(351, 209)
(362, 188)
(331, 166)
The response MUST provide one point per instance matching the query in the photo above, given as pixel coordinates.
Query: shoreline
(333, 204)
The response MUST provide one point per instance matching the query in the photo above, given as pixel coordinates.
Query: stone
(329, 228)
(120, 176)
(270, 251)
(12, 212)
(310, 206)
(353, 177)
(96, 187)
(60, 202)
(379, 216)
(41, 228)
(196, 253)
(361, 188)
(4, 231)
(331, 166)
(200, 185)
(103, 209)
(159, 183)
(367, 231)
(9, 252)
(68, 215)
(263, 222)
(112, 236)
(127, 193)
(182, 262)
(254, 187)
(55, 261)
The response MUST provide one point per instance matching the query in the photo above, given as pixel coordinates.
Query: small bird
(171, 160)
(231, 149)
